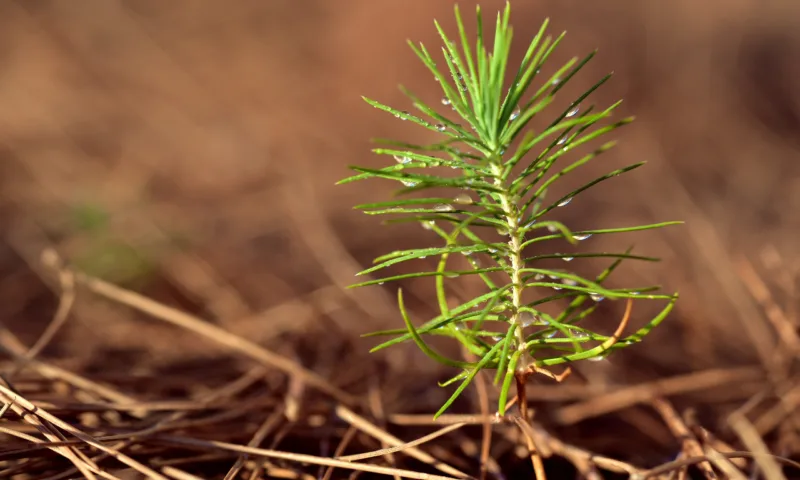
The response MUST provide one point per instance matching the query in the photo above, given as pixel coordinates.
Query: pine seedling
(496, 208)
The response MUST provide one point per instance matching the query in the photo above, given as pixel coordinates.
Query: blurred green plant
(104, 256)
(500, 191)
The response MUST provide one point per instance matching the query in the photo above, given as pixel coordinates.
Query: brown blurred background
(189, 150)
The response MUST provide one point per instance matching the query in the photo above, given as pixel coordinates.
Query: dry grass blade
(216, 334)
(486, 428)
(66, 281)
(10, 345)
(371, 429)
(578, 456)
(376, 408)
(400, 448)
(786, 406)
(712, 441)
(677, 464)
(269, 424)
(179, 474)
(482, 392)
(787, 334)
(445, 419)
(345, 441)
(691, 446)
(303, 458)
(293, 398)
(32, 410)
(534, 448)
(87, 470)
(627, 397)
(725, 465)
(752, 440)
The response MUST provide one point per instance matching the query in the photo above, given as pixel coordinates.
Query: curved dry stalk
(31, 412)
(88, 469)
(303, 458)
(674, 465)
(626, 397)
(405, 446)
(691, 445)
(213, 333)
(66, 281)
(371, 429)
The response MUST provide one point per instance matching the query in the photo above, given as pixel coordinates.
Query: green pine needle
(500, 209)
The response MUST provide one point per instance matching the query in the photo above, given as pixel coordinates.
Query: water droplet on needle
(443, 207)
(463, 199)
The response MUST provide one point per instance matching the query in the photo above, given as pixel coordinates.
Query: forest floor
(174, 255)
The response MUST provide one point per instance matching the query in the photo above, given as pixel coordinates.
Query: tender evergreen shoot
(498, 208)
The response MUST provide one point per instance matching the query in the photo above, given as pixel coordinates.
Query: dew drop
(402, 159)
(565, 202)
(573, 112)
(502, 231)
(557, 288)
(405, 113)
(463, 199)
(428, 225)
(450, 275)
(538, 276)
(567, 259)
(555, 81)
(440, 127)
(445, 101)
(423, 256)
(380, 283)
(570, 282)
(581, 335)
(597, 297)
(499, 308)
(409, 183)
(598, 358)
(497, 338)
(582, 236)
(527, 318)
(475, 262)
(466, 253)
(561, 141)
(514, 114)
(552, 228)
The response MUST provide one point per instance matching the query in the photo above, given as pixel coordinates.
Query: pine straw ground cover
(280, 419)
(719, 369)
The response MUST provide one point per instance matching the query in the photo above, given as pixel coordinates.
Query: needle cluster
(497, 208)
